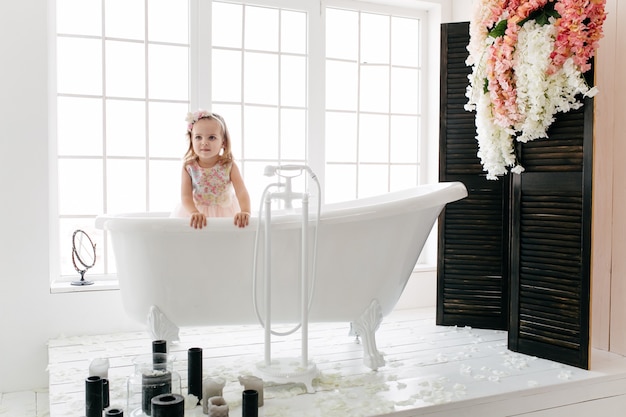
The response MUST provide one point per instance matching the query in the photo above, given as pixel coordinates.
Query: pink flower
(579, 32)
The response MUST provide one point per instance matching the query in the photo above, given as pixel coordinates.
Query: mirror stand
(82, 280)
(83, 250)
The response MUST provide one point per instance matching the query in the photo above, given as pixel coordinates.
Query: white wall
(462, 10)
(29, 314)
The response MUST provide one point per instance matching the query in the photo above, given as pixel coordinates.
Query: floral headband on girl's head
(197, 115)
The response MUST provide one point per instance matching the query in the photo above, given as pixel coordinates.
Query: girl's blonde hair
(226, 156)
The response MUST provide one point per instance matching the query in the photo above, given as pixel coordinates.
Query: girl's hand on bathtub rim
(242, 219)
(198, 220)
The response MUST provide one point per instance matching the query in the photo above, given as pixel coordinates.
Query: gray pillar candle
(211, 387)
(218, 407)
(251, 382)
(168, 405)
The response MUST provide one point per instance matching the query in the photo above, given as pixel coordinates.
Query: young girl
(210, 175)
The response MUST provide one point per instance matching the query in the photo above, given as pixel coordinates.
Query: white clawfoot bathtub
(175, 275)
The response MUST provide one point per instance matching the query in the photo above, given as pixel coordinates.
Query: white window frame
(200, 63)
(413, 13)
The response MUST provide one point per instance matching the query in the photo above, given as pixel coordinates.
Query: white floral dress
(213, 192)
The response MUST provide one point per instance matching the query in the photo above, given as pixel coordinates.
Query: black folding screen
(515, 253)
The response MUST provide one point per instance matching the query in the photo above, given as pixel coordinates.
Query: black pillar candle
(250, 403)
(114, 412)
(159, 352)
(168, 405)
(159, 346)
(105, 393)
(152, 385)
(93, 396)
(194, 372)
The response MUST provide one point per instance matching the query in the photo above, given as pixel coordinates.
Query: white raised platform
(431, 371)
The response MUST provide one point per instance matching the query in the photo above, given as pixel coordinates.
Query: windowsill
(99, 284)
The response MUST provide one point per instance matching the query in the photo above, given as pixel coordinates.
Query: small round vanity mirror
(83, 255)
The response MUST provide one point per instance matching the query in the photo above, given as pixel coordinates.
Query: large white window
(260, 77)
(373, 102)
(340, 89)
(122, 82)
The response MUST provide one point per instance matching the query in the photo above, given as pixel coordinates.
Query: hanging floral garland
(528, 59)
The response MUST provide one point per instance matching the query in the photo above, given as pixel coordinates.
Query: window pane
(126, 128)
(404, 42)
(168, 21)
(67, 227)
(124, 19)
(226, 72)
(293, 134)
(227, 21)
(342, 30)
(261, 133)
(125, 69)
(341, 131)
(164, 185)
(126, 186)
(256, 181)
(79, 66)
(261, 31)
(261, 78)
(341, 85)
(293, 32)
(373, 138)
(167, 129)
(293, 81)
(79, 17)
(79, 126)
(80, 186)
(375, 89)
(374, 38)
(404, 139)
(343, 184)
(403, 177)
(169, 72)
(373, 180)
(404, 90)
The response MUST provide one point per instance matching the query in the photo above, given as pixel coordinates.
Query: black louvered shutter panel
(551, 220)
(472, 262)
(516, 252)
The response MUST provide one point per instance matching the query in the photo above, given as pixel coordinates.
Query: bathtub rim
(422, 196)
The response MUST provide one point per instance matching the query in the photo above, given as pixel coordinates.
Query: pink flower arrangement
(501, 63)
(579, 30)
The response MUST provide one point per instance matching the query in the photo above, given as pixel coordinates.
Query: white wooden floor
(431, 371)
(33, 403)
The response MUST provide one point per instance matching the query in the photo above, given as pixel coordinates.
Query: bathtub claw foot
(365, 327)
(160, 327)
